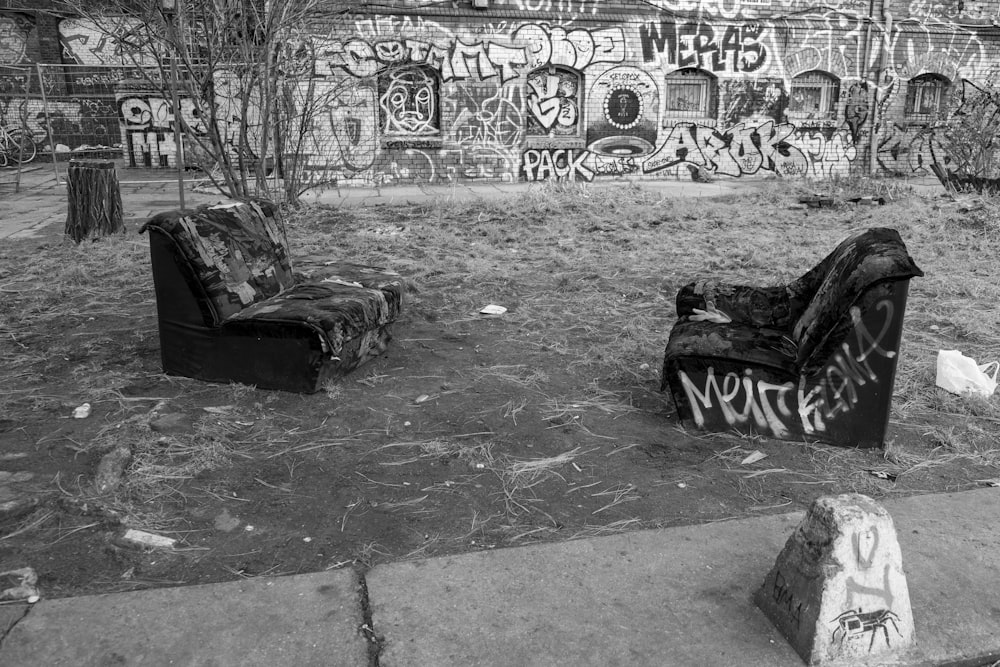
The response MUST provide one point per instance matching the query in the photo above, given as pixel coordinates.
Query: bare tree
(243, 69)
(970, 136)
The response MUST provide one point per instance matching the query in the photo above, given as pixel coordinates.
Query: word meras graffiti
(766, 403)
(742, 149)
(531, 46)
(735, 49)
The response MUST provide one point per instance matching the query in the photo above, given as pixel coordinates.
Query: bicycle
(16, 146)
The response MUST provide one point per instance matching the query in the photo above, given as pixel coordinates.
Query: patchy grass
(473, 432)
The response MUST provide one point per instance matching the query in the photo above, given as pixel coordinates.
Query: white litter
(960, 374)
(493, 309)
(82, 412)
(145, 539)
(753, 457)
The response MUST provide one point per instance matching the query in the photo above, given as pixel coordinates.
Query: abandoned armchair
(814, 359)
(230, 309)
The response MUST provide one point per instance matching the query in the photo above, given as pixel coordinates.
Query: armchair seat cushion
(339, 310)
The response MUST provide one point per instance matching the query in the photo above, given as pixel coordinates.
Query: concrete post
(837, 591)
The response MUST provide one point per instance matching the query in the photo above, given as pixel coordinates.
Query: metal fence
(63, 112)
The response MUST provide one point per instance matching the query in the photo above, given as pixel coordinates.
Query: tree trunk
(95, 202)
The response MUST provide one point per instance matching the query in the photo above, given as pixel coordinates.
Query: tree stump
(95, 201)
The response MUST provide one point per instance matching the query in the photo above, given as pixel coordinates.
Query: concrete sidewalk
(40, 202)
(676, 596)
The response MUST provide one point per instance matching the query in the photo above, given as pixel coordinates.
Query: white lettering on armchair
(741, 398)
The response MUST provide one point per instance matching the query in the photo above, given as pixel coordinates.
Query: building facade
(431, 91)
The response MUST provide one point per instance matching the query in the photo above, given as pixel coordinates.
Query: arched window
(813, 96)
(926, 95)
(409, 101)
(690, 93)
(553, 97)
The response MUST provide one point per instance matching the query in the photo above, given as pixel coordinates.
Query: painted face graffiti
(409, 103)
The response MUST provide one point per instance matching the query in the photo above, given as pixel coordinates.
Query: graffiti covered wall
(550, 89)
(427, 91)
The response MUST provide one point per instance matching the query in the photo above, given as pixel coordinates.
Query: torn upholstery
(230, 308)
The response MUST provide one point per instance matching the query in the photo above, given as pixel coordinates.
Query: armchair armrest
(770, 307)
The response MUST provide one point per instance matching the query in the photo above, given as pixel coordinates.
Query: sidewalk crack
(367, 629)
(9, 628)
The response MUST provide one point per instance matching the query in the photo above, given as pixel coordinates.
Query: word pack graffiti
(559, 164)
(726, 49)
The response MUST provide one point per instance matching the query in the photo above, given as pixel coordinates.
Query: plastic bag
(960, 374)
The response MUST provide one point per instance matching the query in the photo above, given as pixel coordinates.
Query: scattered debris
(817, 201)
(111, 469)
(960, 374)
(152, 540)
(12, 509)
(172, 423)
(26, 587)
(868, 201)
(226, 522)
(883, 474)
(493, 309)
(753, 457)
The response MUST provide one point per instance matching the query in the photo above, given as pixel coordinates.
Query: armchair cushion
(237, 253)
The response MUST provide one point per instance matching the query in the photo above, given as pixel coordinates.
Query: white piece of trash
(145, 539)
(493, 309)
(755, 455)
(82, 412)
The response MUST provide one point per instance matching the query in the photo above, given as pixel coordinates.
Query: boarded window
(553, 97)
(409, 101)
(690, 93)
(813, 96)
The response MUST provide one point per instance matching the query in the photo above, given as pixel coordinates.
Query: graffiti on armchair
(806, 407)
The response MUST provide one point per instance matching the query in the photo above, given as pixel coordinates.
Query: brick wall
(425, 91)
(583, 90)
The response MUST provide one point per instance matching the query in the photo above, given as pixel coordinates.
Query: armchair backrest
(862, 261)
(237, 252)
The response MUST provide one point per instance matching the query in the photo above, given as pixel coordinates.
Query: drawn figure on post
(853, 623)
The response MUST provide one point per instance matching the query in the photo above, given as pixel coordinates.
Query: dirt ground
(472, 432)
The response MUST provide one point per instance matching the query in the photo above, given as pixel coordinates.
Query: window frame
(829, 91)
(916, 88)
(433, 132)
(707, 110)
(551, 138)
